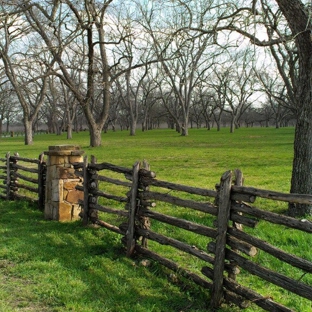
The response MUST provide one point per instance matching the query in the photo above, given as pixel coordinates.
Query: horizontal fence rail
(23, 178)
(229, 250)
(218, 234)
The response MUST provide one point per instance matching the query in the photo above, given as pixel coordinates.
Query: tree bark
(300, 24)
(95, 136)
(28, 132)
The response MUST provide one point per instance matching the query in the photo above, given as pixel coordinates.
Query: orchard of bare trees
(122, 64)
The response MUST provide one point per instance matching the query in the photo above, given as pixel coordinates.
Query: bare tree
(239, 94)
(288, 24)
(132, 96)
(27, 71)
(68, 23)
(299, 88)
(8, 105)
(182, 54)
(150, 101)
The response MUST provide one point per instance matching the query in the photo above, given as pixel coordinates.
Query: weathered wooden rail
(23, 178)
(215, 228)
(229, 248)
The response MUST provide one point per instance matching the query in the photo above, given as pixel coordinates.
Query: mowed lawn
(263, 154)
(51, 266)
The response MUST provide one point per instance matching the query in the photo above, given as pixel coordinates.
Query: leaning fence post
(222, 225)
(132, 209)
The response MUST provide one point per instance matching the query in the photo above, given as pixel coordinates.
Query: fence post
(13, 177)
(222, 225)
(8, 176)
(239, 182)
(94, 184)
(144, 222)
(42, 169)
(86, 181)
(132, 209)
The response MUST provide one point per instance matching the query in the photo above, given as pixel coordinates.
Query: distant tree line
(123, 64)
(202, 115)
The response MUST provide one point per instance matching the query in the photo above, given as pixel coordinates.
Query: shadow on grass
(68, 267)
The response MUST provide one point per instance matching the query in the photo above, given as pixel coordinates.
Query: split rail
(218, 230)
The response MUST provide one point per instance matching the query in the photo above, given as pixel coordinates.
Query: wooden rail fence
(23, 178)
(219, 227)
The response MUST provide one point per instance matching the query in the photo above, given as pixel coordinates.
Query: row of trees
(113, 58)
(119, 61)
(61, 112)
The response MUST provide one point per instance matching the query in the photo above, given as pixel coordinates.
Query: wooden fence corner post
(132, 209)
(86, 178)
(41, 182)
(224, 205)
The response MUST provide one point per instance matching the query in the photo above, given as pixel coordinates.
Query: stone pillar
(61, 197)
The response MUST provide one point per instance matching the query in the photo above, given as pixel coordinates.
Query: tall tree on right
(288, 24)
(298, 17)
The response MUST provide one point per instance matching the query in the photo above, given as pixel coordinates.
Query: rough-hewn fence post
(239, 182)
(224, 204)
(133, 209)
(13, 176)
(143, 222)
(42, 171)
(86, 182)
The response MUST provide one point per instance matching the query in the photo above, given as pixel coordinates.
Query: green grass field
(50, 266)
(263, 154)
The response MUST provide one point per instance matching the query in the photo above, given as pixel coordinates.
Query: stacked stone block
(62, 198)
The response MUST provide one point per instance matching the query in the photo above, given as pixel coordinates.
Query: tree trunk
(133, 124)
(132, 129)
(95, 136)
(301, 181)
(69, 131)
(185, 125)
(232, 127)
(299, 22)
(28, 132)
(184, 130)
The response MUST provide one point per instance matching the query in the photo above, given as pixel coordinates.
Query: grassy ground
(50, 266)
(199, 159)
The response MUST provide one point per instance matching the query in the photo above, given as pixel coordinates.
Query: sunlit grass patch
(67, 267)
